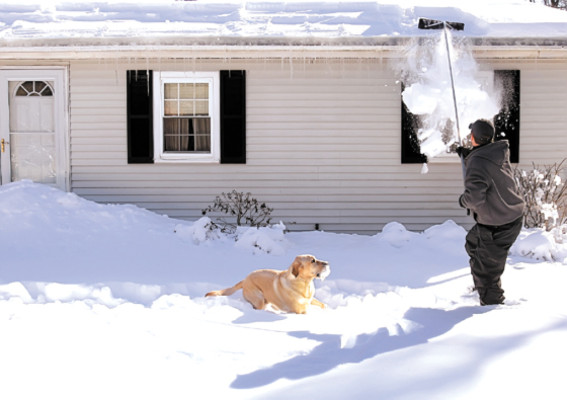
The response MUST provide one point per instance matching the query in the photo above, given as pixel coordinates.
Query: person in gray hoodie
(492, 196)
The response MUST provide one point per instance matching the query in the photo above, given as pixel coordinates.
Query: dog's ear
(295, 266)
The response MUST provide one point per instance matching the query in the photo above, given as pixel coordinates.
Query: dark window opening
(506, 122)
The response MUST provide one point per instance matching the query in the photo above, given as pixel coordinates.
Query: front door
(33, 128)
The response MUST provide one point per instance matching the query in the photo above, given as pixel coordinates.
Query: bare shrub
(241, 209)
(545, 194)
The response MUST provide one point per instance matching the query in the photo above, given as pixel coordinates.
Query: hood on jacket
(496, 152)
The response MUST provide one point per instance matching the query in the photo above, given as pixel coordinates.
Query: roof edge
(311, 41)
(264, 48)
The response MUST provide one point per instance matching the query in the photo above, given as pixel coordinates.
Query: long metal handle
(446, 28)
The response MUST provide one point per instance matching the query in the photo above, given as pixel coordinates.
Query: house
(167, 104)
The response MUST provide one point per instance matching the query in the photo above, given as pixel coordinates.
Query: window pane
(170, 90)
(202, 129)
(31, 113)
(187, 134)
(202, 126)
(28, 86)
(185, 126)
(186, 91)
(21, 91)
(186, 107)
(202, 107)
(46, 91)
(39, 86)
(170, 143)
(170, 126)
(186, 99)
(170, 107)
(202, 143)
(33, 157)
(34, 88)
(201, 91)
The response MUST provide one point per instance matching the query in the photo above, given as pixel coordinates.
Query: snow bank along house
(166, 104)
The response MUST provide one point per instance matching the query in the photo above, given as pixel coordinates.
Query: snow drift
(107, 301)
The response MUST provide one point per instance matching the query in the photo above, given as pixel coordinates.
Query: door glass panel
(32, 157)
(32, 131)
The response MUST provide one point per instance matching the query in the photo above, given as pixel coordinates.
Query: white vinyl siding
(323, 144)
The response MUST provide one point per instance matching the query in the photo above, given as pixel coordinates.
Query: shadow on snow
(329, 354)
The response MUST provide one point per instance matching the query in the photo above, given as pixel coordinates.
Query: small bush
(545, 194)
(242, 210)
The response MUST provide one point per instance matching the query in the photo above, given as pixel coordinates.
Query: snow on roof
(230, 21)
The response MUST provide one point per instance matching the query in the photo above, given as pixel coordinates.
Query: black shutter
(411, 153)
(140, 122)
(233, 117)
(507, 121)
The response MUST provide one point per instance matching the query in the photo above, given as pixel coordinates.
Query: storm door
(33, 126)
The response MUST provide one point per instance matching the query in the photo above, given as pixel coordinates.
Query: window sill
(449, 158)
(185, 159)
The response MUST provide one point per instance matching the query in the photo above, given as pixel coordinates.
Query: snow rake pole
(425, 23)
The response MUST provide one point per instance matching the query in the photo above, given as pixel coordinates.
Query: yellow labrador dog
(291, 290)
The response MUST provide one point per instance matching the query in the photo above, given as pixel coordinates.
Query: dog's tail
(225, 292)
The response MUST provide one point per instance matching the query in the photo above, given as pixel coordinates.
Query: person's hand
(463, 152)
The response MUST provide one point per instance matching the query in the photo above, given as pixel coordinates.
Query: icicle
(290, 68)
(424, 169)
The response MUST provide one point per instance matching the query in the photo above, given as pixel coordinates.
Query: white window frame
(159, 81)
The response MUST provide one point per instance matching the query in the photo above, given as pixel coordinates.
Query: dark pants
(487, 247)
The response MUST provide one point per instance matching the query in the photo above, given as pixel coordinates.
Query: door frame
(59, 75)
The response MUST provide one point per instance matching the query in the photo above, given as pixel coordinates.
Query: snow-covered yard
(106, 301)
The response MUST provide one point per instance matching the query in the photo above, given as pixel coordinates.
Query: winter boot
(491, 296)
